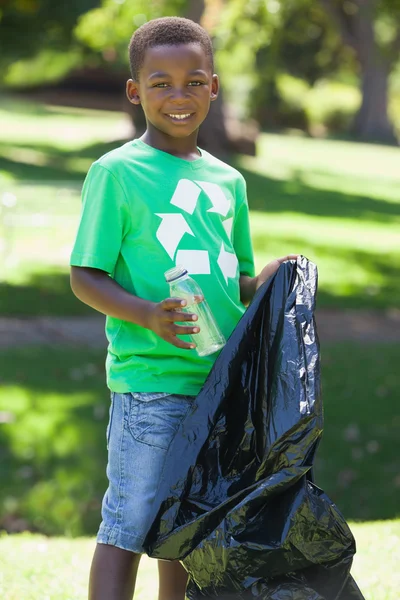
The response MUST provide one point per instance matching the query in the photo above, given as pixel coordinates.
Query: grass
(358, 462)
(57, 569)
(54, 411)
(26, 124)
(336, 202)
(54, 408)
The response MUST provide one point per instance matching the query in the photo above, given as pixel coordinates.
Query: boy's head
(172, 68)
(167, 31)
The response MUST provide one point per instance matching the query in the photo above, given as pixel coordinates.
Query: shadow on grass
(52, 160)
(20, 106)
(266, 194)
(275, 196)
(358, 461)
(50, 293)
(46, 294)
(381, 270)
(54, 409)
(53, 170)
(52, 439)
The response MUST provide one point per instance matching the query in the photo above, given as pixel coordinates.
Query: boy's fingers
(173, 303)
(179, 330)
(181, 316)
(288, 257)
(181, 344)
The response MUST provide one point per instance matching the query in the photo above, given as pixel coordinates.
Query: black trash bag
(237, 503)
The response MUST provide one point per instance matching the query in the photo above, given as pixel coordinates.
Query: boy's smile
(175, 88)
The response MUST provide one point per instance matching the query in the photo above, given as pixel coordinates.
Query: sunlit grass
(338, 203)
(357, 164)
(60, 127)
(354, 261)
(57, 569)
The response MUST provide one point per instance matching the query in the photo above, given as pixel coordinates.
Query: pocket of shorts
(155, 421)
(110, 419)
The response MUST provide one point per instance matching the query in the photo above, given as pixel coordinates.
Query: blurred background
(310, 114)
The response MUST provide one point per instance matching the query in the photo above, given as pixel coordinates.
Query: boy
(148, 205)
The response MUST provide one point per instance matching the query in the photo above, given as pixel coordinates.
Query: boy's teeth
(180, 117)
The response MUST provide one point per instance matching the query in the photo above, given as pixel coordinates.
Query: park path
(333, 326)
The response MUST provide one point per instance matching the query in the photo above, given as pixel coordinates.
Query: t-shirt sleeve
(104, 221)
(241, 234)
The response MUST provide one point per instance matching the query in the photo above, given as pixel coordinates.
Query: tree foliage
(108, 28)
(29, 26)
(257, 41)
(271, 37)
(352, 17)
(313, 41)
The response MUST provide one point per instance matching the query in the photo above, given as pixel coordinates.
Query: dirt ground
(332, 326)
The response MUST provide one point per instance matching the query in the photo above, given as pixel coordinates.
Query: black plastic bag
(237, 503)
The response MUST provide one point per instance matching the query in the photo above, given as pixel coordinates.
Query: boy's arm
(249, 285)
(95, 288)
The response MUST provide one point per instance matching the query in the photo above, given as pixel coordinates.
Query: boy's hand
(271, 268)
(162, 319)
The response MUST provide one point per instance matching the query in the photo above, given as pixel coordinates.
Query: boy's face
(175, 88)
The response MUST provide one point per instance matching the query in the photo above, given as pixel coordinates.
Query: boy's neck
(185, 148)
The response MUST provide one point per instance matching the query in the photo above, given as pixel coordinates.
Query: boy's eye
(161, 85)
(196, 83)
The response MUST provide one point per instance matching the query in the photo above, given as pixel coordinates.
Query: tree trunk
(195, 10)
(372, 121)
(213, 136)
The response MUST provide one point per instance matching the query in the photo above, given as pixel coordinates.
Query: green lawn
(336, 202)
(57, 569)
(54, 411)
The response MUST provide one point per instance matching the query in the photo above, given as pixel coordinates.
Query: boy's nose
(178, 96)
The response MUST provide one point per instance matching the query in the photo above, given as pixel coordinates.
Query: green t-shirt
(145, 211)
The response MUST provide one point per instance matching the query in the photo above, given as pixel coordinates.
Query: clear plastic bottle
(209, 339)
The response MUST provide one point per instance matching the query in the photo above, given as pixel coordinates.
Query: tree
(301, 43)
(29, 27)
(372, 29)
(317, 40)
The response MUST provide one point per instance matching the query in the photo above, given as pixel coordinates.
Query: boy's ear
(132, 91)
(214, 87)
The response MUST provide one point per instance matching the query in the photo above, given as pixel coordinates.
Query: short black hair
(166, 31)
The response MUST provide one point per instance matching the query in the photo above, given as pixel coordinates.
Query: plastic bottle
(209, 339)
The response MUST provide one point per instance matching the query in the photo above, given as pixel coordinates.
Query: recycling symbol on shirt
(174, 226)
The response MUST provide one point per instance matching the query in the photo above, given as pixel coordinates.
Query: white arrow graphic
(228, 224)
(171, 230)
(186, 195)
(228, 263)
(197, 262)
(220, 202)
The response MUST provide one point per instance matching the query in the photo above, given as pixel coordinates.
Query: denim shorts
(140, 431)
